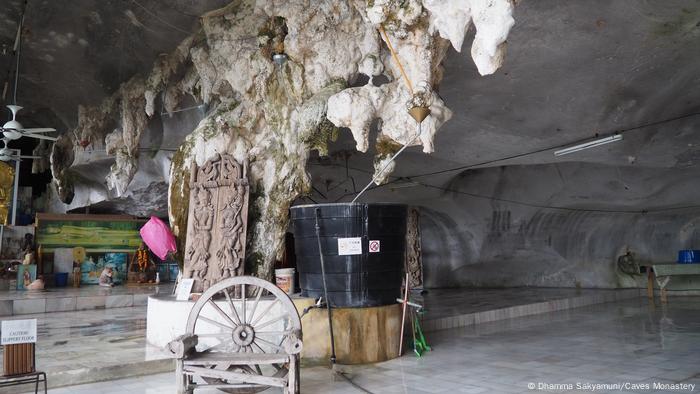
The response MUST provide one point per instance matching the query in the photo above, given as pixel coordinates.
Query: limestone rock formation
(273, 113)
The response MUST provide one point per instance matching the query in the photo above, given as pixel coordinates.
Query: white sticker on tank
(349, 246)
(374, 246)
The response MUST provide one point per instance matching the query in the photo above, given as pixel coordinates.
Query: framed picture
(94, 263)
(95, 233)
(26, 274)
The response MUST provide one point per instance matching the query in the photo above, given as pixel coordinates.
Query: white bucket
(284, 279)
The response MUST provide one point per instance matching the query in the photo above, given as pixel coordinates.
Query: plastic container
(688, 256)
(368, 278)
(61, 279)
(284, 279)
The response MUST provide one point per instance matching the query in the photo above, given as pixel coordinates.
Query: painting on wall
(94, 263)
(26, 274)
(95, 233)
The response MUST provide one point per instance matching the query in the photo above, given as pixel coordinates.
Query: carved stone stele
(414, 264)
(216, 223)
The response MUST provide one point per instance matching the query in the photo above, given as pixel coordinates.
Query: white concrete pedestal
(362, 335)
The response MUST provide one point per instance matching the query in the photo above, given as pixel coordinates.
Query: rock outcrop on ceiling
(272, 113)
(573, 70)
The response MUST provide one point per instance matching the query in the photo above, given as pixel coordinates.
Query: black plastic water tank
(366, 279)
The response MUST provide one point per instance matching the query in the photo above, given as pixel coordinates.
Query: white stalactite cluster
(274, 115)
(411, 30)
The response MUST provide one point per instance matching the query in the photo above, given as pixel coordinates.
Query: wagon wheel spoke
(272, 345)
(222, 313)
(255, 305)
(233, 307)
(225, 342)
(284, 333)
(265, 312)
(222, 335)
(259, 348)
(275, 320)
(214, 322)
(244, 302)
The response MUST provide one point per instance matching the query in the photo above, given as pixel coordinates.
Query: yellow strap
(396, 59)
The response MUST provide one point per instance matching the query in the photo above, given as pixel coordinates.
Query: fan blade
(39, 130)
(40, 137)
(28, 157)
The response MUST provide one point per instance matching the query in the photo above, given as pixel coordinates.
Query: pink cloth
(157, 235)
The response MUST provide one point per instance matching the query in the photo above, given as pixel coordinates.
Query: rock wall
(274, 113)
(499, 227)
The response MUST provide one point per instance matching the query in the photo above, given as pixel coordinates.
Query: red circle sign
(374, 246)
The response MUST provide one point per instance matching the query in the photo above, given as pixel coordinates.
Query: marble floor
(624, 343)
(85, 346)
(450, 302)
(452, 308)
(23, 302)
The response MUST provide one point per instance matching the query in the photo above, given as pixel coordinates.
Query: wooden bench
(240, 344)
(663, 273)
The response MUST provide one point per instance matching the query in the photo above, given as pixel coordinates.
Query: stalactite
(273, 115)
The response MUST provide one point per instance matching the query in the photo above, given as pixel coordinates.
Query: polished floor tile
(624, 343)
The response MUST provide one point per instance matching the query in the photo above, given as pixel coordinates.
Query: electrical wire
(163, 21)
(533, 205)
(519, 155)
(389, 162)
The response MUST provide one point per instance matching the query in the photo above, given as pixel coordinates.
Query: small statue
(79, 255)
(38, 284)
(106, 279)
(28, 249)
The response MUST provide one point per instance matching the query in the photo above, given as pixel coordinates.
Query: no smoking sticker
(374, 246)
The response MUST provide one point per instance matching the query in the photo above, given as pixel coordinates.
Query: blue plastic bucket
(688, 256)
(61, 279)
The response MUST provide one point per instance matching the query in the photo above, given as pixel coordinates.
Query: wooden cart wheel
(245, 314)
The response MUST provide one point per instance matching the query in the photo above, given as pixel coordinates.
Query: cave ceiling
(573, 70)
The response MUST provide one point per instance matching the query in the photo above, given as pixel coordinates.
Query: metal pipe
(325, 288)
(387, 164)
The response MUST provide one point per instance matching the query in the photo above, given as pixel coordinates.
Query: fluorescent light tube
(588, 145)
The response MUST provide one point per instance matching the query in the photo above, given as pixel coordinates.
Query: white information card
(18, 331)
(184, 289)
(349, 246)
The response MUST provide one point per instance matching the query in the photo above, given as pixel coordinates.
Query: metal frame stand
(27, 378)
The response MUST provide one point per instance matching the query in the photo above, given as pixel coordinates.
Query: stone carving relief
(216, 226)
(414, 264)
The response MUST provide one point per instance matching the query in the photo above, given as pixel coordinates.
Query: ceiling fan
(14, 130)
(7, 154)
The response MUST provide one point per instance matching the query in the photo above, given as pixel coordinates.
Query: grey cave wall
(483, 233)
